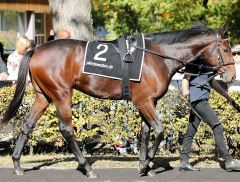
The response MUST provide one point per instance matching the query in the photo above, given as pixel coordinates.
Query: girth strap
(124, 53)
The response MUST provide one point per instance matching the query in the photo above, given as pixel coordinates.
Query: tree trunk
(205, 5)
(73, 15)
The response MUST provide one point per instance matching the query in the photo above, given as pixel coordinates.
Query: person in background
(236, 57)
(51, 35)
(13, 62)
(63, 34)
(198, 86)
(1, 50)
(32, 45)
(3, 70)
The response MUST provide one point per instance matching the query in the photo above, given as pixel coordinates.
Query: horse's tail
(20, 88)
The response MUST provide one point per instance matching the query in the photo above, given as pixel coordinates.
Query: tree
(140, 16)
(74, 15)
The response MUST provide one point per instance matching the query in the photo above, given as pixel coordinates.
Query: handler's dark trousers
(209, 116)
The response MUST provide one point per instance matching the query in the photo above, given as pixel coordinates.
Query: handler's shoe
(185, 166)
(232, 165)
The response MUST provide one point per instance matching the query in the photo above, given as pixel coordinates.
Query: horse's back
(57, 63)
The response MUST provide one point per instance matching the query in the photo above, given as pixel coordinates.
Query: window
(39, 28)
(39, 23)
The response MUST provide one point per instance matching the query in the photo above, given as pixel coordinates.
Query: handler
(198, 89)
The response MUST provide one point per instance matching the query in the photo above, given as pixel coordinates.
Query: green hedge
(177, 114)
(113, 121)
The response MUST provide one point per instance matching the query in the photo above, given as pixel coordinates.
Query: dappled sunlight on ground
(67, 161)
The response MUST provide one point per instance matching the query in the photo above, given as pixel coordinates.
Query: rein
(187, 61)
(158, 54)
(175, 59)
(179, 60)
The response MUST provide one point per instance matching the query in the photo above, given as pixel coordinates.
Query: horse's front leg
(147, 109)
(143, 157)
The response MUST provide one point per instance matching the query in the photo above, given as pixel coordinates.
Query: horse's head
(219, 55)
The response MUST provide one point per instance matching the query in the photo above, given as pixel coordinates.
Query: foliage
(114, 121)
(138, 16)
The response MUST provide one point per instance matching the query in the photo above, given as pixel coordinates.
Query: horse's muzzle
(228, 78)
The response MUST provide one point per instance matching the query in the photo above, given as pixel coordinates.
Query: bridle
(220, 57)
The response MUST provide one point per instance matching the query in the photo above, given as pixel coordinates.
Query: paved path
(120, 174)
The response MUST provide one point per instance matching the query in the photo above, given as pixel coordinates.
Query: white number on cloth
(97, 56)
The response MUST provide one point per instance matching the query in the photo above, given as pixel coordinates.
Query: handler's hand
(236, 106)
(185, 86)
(3, 76)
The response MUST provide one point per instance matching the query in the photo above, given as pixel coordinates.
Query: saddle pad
(103, 59)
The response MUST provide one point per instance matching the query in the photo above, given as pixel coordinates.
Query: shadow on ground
(159, 162)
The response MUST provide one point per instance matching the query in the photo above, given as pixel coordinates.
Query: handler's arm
(185, 85)
(216, 86)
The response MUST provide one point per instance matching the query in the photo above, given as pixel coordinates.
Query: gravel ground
(67, 161)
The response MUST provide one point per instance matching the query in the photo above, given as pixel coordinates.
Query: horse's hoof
(151, 173)
(143, 170)
(19, 172)
(92, 175)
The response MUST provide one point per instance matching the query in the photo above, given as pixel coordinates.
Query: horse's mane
(172, 37)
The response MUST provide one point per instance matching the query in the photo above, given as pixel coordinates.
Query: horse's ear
(223, 30)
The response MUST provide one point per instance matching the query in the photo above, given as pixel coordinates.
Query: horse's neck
(176, 51)
(181, 52)
(186, 52)
(189, 49)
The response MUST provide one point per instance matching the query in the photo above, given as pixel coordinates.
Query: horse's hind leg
(66, 128)
(30, 120)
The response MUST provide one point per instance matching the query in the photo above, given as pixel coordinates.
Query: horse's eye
(226, 50)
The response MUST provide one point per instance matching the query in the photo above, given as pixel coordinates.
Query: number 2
(97, 56)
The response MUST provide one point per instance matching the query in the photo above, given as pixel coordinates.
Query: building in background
(28, 17)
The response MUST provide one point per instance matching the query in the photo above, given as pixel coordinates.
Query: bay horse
(56, 68)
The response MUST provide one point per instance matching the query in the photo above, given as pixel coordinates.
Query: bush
(112, 121)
